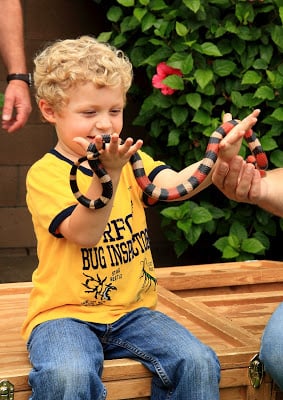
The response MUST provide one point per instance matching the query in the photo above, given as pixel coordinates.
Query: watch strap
(21, 77)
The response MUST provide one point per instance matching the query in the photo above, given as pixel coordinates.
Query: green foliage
(230, 54)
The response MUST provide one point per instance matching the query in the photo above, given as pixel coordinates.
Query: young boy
(94, 289)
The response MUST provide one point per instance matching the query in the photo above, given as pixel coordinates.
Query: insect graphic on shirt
(98, 287)
(148, 279)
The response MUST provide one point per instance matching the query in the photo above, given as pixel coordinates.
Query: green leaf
(193, 5)
(251, 78)
(179, 115)
(260, 64)
(157, 5)
(265, 93)
(221, 243)
(128, 24)
(234, 241)
(174, 81)
(194, 234)
(252, 245)
(236, 98)
(208, 48)
(244, 12)
(277, 35)
(158, 56)
(268, 143)
(223, 67)
(203, 77)
(281, 14)
(276, 158)
(202, 117)
(147, 22)
(172, 213)
(194, 100)
(174, 137)
(104, 37)
(181, 29)
(238, 230)
(114, 14)
(278, 114)
(139, 13)
(263, 239)
(214, 211)
(126, 3)
(229, 253)
(185, 225)
(180, 247)
(200, 215)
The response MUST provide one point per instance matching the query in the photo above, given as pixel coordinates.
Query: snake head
(106, 139)
(92, 153)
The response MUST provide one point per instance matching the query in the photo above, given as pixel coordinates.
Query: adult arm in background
(241, 181)
(17, 102)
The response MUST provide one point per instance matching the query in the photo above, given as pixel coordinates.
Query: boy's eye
(90, 112)
(116, 111)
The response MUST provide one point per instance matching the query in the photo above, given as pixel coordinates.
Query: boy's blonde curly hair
(66, 63)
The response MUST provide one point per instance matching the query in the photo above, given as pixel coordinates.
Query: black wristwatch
(21, 77)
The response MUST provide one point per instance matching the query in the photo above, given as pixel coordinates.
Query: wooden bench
(226, 305)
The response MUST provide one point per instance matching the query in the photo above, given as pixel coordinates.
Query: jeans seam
(141, 355)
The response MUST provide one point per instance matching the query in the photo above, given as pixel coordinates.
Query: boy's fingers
(227, 117)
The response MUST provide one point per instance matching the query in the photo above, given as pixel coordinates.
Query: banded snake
(161, 194)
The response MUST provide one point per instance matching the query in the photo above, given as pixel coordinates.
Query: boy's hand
(231, 143)
(113, 155)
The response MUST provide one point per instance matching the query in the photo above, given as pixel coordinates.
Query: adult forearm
(11, 36)
(272, 197)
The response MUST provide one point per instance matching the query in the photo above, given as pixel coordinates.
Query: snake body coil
(152, 191)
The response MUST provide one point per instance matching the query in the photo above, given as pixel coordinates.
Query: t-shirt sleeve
(49, 197)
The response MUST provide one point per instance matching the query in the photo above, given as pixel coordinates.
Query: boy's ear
(46, 110)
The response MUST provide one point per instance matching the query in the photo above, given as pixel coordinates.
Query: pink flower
(164, 70)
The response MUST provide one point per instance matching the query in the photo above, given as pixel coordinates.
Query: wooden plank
(123, 369)
(15, 288)
(219, 275)
(250, 311)
(128, 389)
(193, 311)
(231, 290)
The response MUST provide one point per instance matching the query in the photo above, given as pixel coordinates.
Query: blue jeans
(271, 352)
(67, 357)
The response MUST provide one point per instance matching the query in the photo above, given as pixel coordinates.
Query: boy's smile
(90, 111)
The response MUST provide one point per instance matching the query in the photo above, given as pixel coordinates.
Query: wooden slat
(205, 318)
(220, 275)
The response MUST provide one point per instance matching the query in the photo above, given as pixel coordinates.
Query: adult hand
(17, 106)
(238, 180)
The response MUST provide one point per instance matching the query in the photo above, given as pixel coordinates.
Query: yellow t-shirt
(98, 284)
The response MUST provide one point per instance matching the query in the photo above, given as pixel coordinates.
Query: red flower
(164, 70)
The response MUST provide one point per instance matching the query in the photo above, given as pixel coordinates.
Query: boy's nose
(103, 123)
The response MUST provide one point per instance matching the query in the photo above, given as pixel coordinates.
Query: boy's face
(90, 111)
